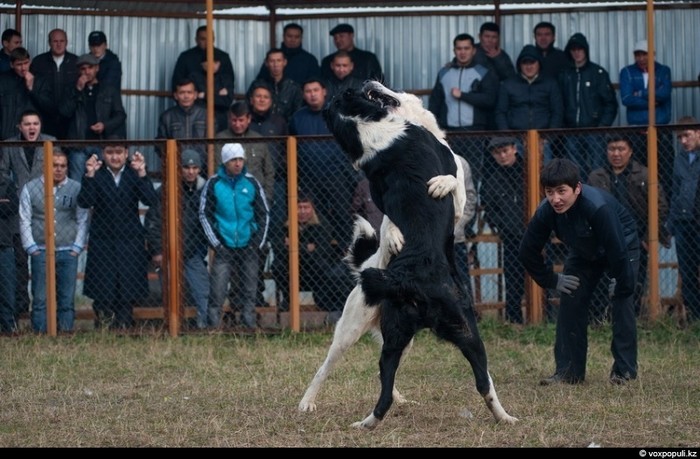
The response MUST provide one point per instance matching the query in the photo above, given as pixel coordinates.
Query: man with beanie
(234, 213)
(530, 99)
(194, 245)
(589, 101)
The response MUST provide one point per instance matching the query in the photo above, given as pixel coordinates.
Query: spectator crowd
(240, 211)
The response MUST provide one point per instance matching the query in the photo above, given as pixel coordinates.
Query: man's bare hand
(92, 165)
(138, 163)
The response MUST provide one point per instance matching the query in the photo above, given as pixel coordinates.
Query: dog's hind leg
(356, 320)
(466, 337)
(396, 342)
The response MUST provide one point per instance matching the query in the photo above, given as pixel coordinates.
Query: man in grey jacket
(71, 222)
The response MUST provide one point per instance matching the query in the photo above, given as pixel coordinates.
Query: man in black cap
(96, 112)
(367, 65)
(502, 195)
(110, 66)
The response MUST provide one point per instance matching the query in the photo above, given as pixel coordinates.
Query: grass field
(99, 389)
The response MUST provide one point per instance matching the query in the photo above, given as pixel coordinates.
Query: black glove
(567, 283)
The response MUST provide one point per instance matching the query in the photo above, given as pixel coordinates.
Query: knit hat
(191, 158)
(232, 151)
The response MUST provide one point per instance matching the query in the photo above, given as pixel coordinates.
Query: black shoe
(559, 379)
(620, 380)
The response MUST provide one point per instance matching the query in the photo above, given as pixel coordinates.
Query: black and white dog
(403, 161)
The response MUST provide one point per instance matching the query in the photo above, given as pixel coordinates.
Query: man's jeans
(239, 264)
(7, 290)
(66, 274)
(197, 281)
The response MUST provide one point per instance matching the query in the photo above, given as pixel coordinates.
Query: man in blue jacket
(235, 216)
(601, 236)
(634, 95)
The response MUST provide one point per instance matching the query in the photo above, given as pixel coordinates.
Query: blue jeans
(66, 275)
(8, 280)
(242, 264)
(77, 159)
(197, 281)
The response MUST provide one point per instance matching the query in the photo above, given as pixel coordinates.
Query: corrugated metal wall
(411, 48)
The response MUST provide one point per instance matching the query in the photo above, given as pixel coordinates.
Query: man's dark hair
(202, 28)
(7, 34)
(462, 37)
(19, 54)
(239, 108)
(314, 79)
(184, 82)
(618, 137)
(28, 112)
(293, 25)
(560, 171)
(489, 27)
(545, 25)
(274, 51)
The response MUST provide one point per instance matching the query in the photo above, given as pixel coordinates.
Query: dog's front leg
(390, 242)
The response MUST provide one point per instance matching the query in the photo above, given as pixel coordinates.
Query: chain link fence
(133, 247)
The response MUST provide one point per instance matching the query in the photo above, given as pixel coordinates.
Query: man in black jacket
(59, 67)
(95, 111)
(190, 61)
(601, 236)
(19, 91)
(589, 101)
(110, 66)
(301, 64)
(367, 66)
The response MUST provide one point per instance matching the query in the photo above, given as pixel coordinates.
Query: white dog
(358, 318)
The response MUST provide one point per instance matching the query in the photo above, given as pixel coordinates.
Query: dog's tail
(389, 284)
(364, 244)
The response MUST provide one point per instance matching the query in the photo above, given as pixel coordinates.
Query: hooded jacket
(588, 95)
(524, 104)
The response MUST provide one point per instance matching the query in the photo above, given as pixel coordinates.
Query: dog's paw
(507, 419)
(369, 423)
(441, 185)
(307, 406)
(394, 239)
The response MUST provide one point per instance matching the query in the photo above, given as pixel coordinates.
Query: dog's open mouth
(383, 99)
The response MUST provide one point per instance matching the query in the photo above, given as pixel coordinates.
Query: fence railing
(315, 169)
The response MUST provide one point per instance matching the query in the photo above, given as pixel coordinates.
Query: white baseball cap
(641, 45)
